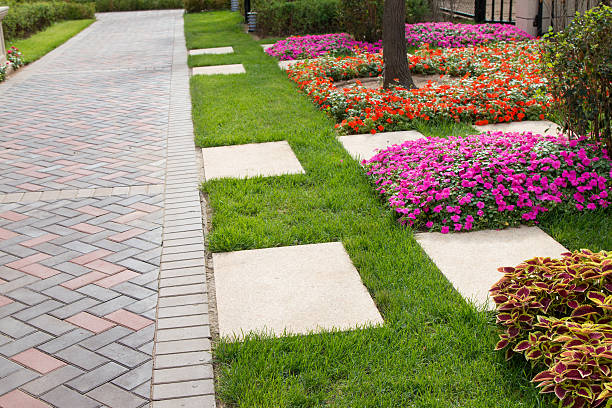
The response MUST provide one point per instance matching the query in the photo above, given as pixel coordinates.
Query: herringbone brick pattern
(78, 297)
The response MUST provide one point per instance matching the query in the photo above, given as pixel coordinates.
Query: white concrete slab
(266, 46)
(219, 70)
(216, 50)
(542, 127)
(296, 289)
(366, 146)
(470, 260)
(250, 160)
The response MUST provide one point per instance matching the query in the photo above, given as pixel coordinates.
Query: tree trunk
(394, 45)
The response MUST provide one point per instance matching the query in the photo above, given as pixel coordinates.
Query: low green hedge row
(133, 5)
(362, 18)
(24, 18)
(194, 6)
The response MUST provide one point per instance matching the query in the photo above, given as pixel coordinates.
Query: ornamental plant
(13, 60)
(460, 35)
(314, 46)
(492, 180)
(578, 65)
(494, 83)
(557, 313)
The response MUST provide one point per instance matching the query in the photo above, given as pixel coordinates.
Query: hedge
(24, 19)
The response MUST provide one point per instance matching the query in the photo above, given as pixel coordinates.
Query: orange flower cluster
(488, 84)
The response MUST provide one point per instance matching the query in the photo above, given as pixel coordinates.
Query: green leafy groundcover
(558, 313)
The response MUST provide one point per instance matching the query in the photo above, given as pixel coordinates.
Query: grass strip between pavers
(43, 42)
(434, 350)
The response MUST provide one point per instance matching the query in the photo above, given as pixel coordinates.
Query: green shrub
(363, 18)
(557, 312)
(24, 19)
(133, 5)
(578, 65)
(194, 6)
(297, 17)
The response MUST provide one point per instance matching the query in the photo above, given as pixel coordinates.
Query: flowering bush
(492, 180)
(497, 83)
(313, 46)
(13, 60)
(557, 312)
(461, 35)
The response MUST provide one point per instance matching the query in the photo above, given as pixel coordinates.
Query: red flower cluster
(497, 83)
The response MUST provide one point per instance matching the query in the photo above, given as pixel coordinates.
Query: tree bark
(395, 56)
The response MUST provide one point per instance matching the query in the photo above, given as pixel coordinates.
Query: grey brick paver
(95, 154)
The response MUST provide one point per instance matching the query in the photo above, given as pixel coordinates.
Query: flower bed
(492, 180)
(13, 61)
(499, 83)
(313, 46)
(461, 35)
(558, 313)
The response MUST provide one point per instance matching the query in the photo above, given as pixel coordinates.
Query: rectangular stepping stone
(219, 70)
(250, 160)
(266, 46)
(296, 289)
(469, 260)
(216, 50)
(542, 127)
(286, 64)
(363, 147)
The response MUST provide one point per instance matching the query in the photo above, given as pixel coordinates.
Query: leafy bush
(557, 312)
(133, 5)
(489, 181)
(297, 17)
(578, 65)
(194, 6)
(25, 18)
(363, 18)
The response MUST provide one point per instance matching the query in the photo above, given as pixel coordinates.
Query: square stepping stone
(294, 289)
(250, 160)
(542, 127)
(217, 50)
(266, 46)
(219, 70)
(469, 260)
(363, 147)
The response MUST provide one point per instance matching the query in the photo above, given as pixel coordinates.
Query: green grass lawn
(47, 40)
(434, 350)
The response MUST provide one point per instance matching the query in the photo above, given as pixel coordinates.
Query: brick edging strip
(182, 373)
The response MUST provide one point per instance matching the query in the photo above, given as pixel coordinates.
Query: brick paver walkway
(98, 209)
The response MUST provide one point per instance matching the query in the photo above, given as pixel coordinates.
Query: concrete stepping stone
(543, 127)
(284, 65)
(250, 160)
(266, 46)
(366, 146)
(216, 50)
(219, 70)
(470, 260)
(295, 289)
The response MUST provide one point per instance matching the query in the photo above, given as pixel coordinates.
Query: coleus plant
(558, 313)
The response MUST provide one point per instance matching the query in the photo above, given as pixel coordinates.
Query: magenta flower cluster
(449, 35)
(313, 46)
(491, 180)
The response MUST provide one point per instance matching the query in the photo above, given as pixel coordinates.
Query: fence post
(3, 11)
(480, 10)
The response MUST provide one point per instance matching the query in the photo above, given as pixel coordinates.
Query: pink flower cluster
(492, 180)
(313, 46)
(449, 35)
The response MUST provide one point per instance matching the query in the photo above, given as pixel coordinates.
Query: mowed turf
(434, 350)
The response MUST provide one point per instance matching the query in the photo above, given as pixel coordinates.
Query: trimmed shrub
(297, 17)
(363, 18)
(557, 312)
(24, 19)
(194, 6)
(578, 65)
(133, 5)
